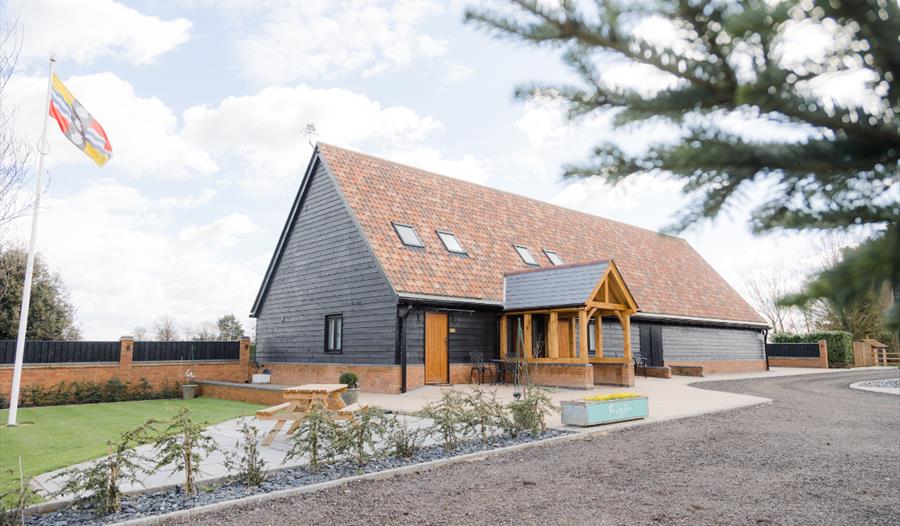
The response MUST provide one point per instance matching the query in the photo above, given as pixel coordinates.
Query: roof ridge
(500, 191)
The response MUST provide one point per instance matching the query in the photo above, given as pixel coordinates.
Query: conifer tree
(732, 59)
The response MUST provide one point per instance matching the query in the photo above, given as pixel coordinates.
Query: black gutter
(403, 311)
(766, 347)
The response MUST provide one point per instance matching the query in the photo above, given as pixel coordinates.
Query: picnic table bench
(299, 398)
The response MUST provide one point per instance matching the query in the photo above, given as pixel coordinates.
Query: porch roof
(562, 286)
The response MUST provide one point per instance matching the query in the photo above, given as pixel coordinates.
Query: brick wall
(621, 374)
(819, 362)
(720, 366)
(127, 370)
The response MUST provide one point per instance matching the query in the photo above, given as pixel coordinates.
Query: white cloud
(189, 201)
(143, 131)
(287, 40)
(261, 133)
(125, 263)
(88, 30)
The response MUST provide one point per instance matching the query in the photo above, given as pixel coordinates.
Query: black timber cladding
(61, 351)
(552, 287)
(326, 268)
(186, 350)
(469, 331)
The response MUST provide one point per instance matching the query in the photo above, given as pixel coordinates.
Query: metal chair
(478, 366)
(640, 361)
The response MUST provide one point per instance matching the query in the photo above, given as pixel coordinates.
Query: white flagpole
(43, 149)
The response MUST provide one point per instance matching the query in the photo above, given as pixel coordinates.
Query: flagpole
(43, 149)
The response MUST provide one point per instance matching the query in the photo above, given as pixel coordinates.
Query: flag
(77, 124)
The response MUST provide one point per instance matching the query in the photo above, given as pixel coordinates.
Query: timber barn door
(437, 369)
(652, 345)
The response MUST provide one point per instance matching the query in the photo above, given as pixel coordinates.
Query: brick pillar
(126, 349)
(245, 358)
(628, 375)
(823, 354)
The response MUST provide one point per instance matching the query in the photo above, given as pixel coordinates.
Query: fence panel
(793, 350)
(60, 352)
(183, 351)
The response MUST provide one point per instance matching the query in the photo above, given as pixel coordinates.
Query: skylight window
(408, 235)
(553, 257)
(526, 256)
(450, 242)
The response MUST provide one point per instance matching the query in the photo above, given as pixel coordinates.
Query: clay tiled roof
(665, 275)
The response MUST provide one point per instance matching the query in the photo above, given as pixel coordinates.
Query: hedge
(91, 392)
(840, 343)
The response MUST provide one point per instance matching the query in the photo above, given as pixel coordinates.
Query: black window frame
(533, 263)
(547, 253)
(441, 233)
(340, 343)
(415, 233)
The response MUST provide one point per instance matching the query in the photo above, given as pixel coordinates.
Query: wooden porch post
(553, 335)
(626, 329)
(503, 338)
(526, 336)
(598, 334)
(583, 334)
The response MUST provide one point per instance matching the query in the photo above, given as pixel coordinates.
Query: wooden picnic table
(299, 398)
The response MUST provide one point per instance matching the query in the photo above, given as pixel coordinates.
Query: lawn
(50, 438)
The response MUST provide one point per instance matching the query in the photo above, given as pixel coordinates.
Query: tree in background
(140, 333)
(765, 288)
(230, 328)
(203, 331)
(165, 329)
(51, 316)
(14, 153)
(734, 61)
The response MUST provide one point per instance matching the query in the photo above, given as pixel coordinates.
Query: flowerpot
(262, 378)
(188, 391)
(350, 396)
(584, 413)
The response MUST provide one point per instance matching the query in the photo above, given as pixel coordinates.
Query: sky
(205, 102)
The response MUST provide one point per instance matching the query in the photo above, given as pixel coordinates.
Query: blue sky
(204, 102)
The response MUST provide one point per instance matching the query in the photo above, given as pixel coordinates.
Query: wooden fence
(865, 355)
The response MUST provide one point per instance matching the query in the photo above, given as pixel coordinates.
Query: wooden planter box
(589, 413)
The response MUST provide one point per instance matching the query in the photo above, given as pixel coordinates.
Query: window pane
(450, 242)
(338, 329)
(408, 235)
(333, 328)
(553, 257)
(525, 255)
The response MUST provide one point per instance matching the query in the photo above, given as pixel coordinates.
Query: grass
(49, 438)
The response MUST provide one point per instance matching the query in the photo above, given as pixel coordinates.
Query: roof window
(408, 235)
(553, 257)
(526, 256)
(450, 242)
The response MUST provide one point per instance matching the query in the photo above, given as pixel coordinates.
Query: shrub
(350, 379)
(246, 460)
(97, 485)
(449, 419)
(400, 439)
(317, 437)
(530, 413)
(183, 444)
(840, 343)
(484, 416)
(14, 501)
(358, 436)
(115, 390)
(90, 392)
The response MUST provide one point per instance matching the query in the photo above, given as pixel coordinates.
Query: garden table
(299, 399)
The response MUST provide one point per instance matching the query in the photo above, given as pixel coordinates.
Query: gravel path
(819, 454)
(886, 383)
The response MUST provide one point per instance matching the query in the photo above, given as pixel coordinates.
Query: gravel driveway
(821, 453)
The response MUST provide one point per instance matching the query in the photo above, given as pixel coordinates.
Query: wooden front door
(565, 338)
(436, 364)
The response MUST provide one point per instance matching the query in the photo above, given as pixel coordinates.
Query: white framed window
(334, 332)
(450, 242)
(526, 256)
(408, 235)
(553, 257)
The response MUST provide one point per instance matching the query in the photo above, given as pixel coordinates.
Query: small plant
(14, 501)
(182, 444)
(611, 396)
(350, 379)
(317, 437)
(357, 437)
(115, 390)
(98, 485)
(246, 460)
(530, 413)
(400, 439)
(485, 417)
(189, 377)
(449, 417)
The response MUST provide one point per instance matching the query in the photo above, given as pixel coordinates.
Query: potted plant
(351, 395)
(189, 388)
(604, 409)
